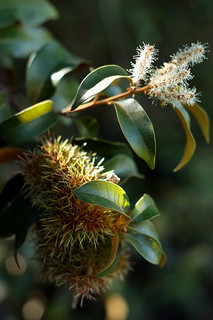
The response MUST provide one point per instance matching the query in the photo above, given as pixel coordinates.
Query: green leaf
(144, 209)
(114, 257)
(16, 212)
(31, 13)
(104, 148)
(104, 194)
(4, 109)
(143, 227)
(45, 69)
(20, 42)
(201, 118)
(64, 93)
(122, 164)
(87, 126)
(190, 141)
(144, 239)
(137, 128)
(110, 268)
(97, 81)
(28, 124)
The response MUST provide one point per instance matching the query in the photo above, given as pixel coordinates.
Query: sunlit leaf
(104, 194)
(144, 209)
(144, 239)
(97, 81)
(202, 119)
(19, 41)
(28, 124)
(31, 13)
(190, 141)
(45, 69)
(137, 128)
(113, 259)
(122, 164)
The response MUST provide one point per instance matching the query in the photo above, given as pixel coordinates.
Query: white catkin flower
(175, 76)
(190, 55)
(175, 95)
(146, 55)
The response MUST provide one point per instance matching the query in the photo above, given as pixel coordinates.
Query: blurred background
(108, 32)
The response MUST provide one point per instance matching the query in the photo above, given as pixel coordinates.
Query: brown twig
(109, 100)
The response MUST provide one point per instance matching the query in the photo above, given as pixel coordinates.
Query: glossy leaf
(64, 93)
(104, 148)
(144, 209)
(19, 41)
(144, 239)
(97, 81)
(114, 257)
(104, 194)
(143, 227)
(8, 154)
(190, 142)
(202, 119)
(137, 128)
(4, 109)
(45, 69)
(122, 164)
(87, 126)
(28, 124)
(31, 13)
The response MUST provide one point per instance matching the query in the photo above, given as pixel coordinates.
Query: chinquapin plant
(84, 224)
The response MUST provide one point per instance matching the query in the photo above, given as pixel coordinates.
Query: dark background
(108, 32)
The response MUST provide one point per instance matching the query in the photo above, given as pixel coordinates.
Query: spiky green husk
(74, 238)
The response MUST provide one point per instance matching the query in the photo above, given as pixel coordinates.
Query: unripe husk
(74, 239)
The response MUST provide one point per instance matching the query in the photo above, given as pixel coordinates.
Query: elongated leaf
(190, 141)
(47, 68)
(144, 209)
(144, 227)
(145, 241)
(104, 148)
(64, 93)
(28, 123)
(32, 13)
(104, 194)
(148, 248)
(113, 259)
(97, 81)
(4, 109)
(122, 164)
(202, 119)
(19, 41)
(137, 128)
(8, 154)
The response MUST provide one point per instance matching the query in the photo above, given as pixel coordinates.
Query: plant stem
(109, 100)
